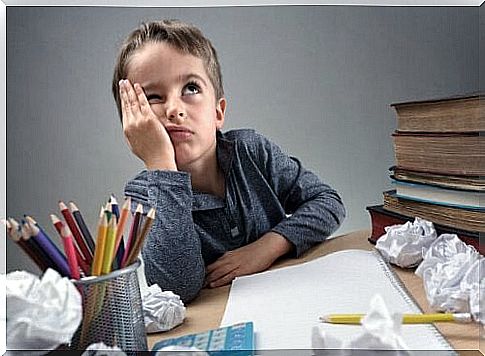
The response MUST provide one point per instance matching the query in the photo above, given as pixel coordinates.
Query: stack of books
(439, 174)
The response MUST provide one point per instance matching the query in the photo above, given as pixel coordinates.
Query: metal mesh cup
(112, 311)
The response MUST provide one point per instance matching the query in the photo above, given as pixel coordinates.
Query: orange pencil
(133, 233)
(100, 243)
(125, 211)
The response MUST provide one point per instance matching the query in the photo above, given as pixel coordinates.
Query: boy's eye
(154, 99)
(191, 89)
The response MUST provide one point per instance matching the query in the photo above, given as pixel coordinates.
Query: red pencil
(75, 232)
(59, 225)
(70, 252)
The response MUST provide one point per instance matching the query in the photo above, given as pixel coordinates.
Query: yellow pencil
(109, 246)
(100, 242)
(406, 318)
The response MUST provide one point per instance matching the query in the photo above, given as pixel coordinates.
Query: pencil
(108, 210)
(70, 252)
(59, 225)
(100, 242)
(15, 236)
(81, 244)
(46, 244)
(133, 233)
(406, 318)
(83, 227)
(109, 246)
(119, 246)
(135, 250)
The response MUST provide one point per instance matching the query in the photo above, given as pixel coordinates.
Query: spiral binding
(399, 287)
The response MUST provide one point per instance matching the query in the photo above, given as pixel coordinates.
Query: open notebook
(285, 304)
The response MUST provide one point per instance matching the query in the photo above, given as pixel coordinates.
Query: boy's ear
(220, 113)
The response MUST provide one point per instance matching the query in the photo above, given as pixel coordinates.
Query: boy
(222, 199)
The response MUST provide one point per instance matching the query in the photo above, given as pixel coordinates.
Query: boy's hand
(145, 134)
(252, 258)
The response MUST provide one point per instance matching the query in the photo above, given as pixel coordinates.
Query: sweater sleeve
(172, 249)
(314, 209)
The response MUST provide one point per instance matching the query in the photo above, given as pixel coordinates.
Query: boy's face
(181, 95)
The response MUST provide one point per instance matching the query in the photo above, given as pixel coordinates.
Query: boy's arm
(315, 210)
(172, 250)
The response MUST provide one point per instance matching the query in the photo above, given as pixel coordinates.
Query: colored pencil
(108, 210)
(50, 249)
(119, 246)
(406, 318)
(81, 244)
(100, 243)
(83, 227)
(59, 225)
(15, 236)
(34, 246)
(133, 233)
(135, 250)
(70, 252)
(109, 245)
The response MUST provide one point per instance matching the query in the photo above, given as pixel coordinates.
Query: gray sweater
(266, 190)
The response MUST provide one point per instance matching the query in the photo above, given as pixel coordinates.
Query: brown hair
(182, 36)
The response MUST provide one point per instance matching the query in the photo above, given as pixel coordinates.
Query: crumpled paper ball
(162, 310)
(41, 314)
(403, 245)
(380, 331)
(443, 268)
(473, 283)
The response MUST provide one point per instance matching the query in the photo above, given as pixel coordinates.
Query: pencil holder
(112, 311)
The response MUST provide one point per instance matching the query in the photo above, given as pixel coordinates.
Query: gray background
(318, 80)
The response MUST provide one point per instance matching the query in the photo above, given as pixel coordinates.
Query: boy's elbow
(185, 286)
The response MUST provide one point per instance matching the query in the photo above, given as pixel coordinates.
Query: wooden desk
(206, 311)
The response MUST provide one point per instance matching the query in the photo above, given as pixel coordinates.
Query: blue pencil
(121, 249)
(49, 248)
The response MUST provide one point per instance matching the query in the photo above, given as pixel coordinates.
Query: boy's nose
(175, 111)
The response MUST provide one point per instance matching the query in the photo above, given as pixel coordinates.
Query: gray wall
(317, 80)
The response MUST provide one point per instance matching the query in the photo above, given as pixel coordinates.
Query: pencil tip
(62, 206)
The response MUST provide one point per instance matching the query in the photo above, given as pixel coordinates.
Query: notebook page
(286, 303)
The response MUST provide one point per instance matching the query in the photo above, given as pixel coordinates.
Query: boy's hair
(181, 36)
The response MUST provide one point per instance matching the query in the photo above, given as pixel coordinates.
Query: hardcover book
(454, 217)
(452, 154)
(473, 183)
(380, 218)
(451, 114)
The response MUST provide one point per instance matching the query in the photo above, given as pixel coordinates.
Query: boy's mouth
(178, 133)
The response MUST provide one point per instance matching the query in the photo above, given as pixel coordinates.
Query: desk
(206, 311)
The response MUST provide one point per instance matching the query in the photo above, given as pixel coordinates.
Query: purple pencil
(52, 250)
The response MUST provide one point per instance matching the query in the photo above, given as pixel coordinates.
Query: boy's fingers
(224, 280)
(133, 104)
(220, 272)
(142, 99)
(124, 106)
